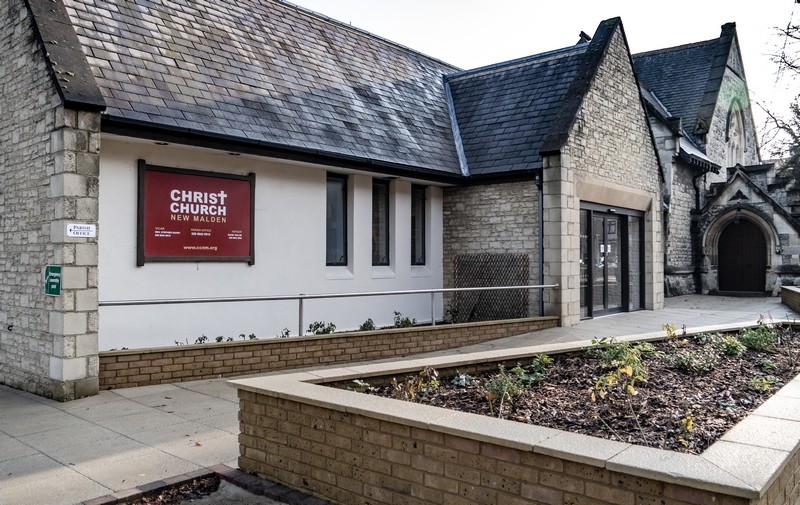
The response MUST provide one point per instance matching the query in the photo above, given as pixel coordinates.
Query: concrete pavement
(118, 442)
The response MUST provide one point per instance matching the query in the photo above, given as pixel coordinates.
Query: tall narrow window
(735, 137)
(380, 222)
(417, 225)
(336, 221)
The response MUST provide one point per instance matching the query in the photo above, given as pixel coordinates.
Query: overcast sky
(473, 33)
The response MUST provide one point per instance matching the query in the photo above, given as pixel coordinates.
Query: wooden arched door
(742, 253)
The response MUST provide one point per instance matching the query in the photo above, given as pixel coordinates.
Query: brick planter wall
(354, 448)
(351, 459)
(141, 367)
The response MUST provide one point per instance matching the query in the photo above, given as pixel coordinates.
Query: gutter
(187, 136)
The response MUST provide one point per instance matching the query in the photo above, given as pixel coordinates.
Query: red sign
(189, 215)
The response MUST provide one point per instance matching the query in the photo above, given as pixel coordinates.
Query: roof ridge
(517, 62)
(349, 26)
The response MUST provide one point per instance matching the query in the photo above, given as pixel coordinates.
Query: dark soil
(675, 408)
(188, 491)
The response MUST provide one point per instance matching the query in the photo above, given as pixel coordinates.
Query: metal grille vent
(489, 269)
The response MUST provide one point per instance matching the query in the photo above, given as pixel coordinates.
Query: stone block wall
(353, 458)
(141, 367)
(492, 218)
(679, 274)
(608, 159)
(48, 174)
(733, 88)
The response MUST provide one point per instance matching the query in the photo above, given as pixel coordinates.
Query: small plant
(687, 426)
(403, 322)
(727, 345)
(201, 340)
(219, 339)
(321, 328)
(283, 334)
(360, 386)
(670, 330)
(426, 380)
(462, 380)
(699, 361)
(614, 355)
(367, 325)
(761, 338)
(762, 384)
(503, 386)
(768, 365)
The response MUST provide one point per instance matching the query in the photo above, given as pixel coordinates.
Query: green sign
(52, 280)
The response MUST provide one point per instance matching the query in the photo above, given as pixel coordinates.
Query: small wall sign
(81, 230)
(52, 280)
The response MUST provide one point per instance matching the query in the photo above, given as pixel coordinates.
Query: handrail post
(300, 316)
(433, 309)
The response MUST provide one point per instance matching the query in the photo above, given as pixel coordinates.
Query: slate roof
(268, 73)
(687, 78)
(269, 77)
(511, 114)
(505, 111)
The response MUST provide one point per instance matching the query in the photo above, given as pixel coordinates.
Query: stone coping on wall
(743, 463)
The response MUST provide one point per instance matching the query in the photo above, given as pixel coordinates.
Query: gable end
(66, 61)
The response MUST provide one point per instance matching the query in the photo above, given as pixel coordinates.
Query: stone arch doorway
(742, 257)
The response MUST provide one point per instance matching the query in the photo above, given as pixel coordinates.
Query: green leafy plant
(614, 355)
(768, 365)
(695, 361)
(403, 322)
(625, 368)
(462, 379)
(412, 386)
(762, 384)
(201, 340)
(360, 386)
(503, 386)
(688, 423)
(283, 334)
(761, 338)
(321, 328)
(727, 345)
(367, 325)
(670, 330)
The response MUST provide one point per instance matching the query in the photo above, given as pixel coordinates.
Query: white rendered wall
(289, 255)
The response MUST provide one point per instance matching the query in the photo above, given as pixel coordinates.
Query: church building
(173, 171)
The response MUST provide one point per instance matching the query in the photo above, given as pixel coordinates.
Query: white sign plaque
(81, 230)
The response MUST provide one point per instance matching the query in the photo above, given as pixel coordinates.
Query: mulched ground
(673, 408)
(188, 491)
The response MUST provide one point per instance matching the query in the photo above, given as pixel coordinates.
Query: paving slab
(39, 480)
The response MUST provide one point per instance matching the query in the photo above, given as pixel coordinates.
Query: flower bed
(354, 448)
(680, 394)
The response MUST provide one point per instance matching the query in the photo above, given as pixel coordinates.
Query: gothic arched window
(734, 137)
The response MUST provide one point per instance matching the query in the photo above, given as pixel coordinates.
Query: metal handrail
(301, 297)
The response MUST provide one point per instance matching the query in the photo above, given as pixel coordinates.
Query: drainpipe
(539, 185)
(697, 253)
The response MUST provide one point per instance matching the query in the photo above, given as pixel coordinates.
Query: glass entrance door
(611, 260)
(607, 277)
